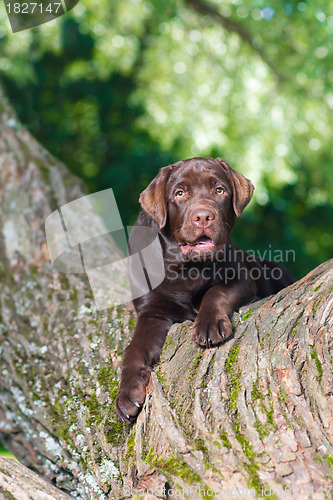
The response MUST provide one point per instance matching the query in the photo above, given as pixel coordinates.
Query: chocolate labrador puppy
(192, 205)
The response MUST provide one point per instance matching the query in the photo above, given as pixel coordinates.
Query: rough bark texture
(253, 414)
(21, 483)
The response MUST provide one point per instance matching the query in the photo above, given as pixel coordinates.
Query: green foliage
(117, 90)
(4, 452)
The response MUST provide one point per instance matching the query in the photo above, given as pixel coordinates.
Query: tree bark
(16, 481)
(251, 416)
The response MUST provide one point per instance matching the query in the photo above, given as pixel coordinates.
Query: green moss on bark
(319, 366)
(174, 465)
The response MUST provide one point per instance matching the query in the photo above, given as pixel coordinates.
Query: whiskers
(175, 232)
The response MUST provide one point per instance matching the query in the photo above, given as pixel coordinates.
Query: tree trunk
(253, 416)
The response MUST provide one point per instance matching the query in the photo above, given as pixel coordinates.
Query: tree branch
(233, 27)
(19, 482)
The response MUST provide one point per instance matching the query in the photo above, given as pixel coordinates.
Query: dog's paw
(131, 394)
(208, 331)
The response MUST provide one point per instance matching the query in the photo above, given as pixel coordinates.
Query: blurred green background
(119, 89)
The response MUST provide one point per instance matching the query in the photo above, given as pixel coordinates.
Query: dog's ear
(153, 198)
(241, 186)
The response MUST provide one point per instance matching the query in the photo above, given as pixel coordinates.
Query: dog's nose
(202, 217)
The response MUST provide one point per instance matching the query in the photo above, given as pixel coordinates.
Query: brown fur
(192, 201)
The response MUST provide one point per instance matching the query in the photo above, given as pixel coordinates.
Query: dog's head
(196, 202)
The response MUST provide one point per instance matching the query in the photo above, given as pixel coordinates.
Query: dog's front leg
(138, 360)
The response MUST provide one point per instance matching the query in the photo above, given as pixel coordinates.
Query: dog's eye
(179, 193)
(219, 190)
